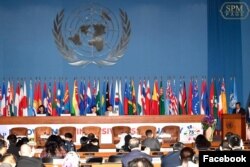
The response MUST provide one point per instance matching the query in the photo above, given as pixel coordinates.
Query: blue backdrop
(168, 39)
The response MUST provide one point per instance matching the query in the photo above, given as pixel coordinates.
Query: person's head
(26, 150)
(140, 162)
(237, 105)
(134, 143)
(149, 133)
(227, 135)
(110, 108)
(41, 109)
(94, 109)
(202, 143)
(68, 136)
(94, 142)
(91, 136)
(84, 140)
(235, 142)
(3, 147)
(178, 146)
(187, 154)
(224, 146)
(9, 159)
(12, 139)
(22, 141)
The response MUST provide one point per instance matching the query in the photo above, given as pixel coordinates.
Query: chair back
(92, 129)
(141, 130)
(94, 160)
(174, 131)
(68, 129)
(19, 131)
(117, 130)
(39, 132)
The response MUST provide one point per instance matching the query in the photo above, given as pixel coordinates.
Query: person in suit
(238, 109)
(136, 152)
(26, 158)
(151, 142)
(248, 115)
(172, 158)
(13, 149)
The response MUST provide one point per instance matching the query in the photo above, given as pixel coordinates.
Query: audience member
(8, 160)
(3, 148)
(20, 142)
(13, 149)
(134, 145)
(53, 148)
(120, 146)
(151, 142)
(187, 156)
(93, 145)
(84, 141)
(126, 147)
(235, 142)
(71, 160)
(201, 143)
(140, 162)
(238, 109)
(248, 115)
(172, 158)
(68, 143)
(26, 158)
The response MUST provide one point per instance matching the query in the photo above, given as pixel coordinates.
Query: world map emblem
(93, 34)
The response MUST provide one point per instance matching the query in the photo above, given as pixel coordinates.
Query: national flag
(195, 99)
(120, 98)
(112, 94)
(173, 105)
(49, 91)
(59, 98)
(89, 98)
(182, 98)
(54, 102)
(116, 98)
(10, 99)
(93, 97)
(233, 98)
(45, 97)
(126, 98)
(223, 98)
(97, 98)
(66, 100)
(3, 101)
(103, 98)
(17, 99)
(31, 111)
(144, 97)
(148, 100)
(190, 98)
(139, 99)
(75, 100)
(155, 99)
(167, 100)
(107, 100)
(82, 98)
(213, 100)
(204, 98)
(132, 99)
(23, 104)
(162, 100)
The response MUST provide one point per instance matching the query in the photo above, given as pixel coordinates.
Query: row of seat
(39, 132)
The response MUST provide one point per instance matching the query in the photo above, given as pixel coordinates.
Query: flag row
(56, 99)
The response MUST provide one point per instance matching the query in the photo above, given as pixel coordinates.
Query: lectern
(235, 123)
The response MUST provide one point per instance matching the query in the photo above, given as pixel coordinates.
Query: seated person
(93, 145)
(8, 160)
(134, 145)
(122, 146)
(201, 143)
(110, 111)
(173, 158)
(13, 149)
(140, 162)
(187, 156)
(41, 109)
(68, 143)
(84, 141)
(93, 111)
(71, 160)
(26, 157)
(151, 142)
(3, 148)
(235, 143)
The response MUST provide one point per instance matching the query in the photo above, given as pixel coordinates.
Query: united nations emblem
(92, 35)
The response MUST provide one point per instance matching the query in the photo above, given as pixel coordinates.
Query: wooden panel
(102, 119)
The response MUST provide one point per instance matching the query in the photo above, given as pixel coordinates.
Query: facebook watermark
(224, 158)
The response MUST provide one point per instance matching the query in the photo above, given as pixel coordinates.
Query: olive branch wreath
(116, 54)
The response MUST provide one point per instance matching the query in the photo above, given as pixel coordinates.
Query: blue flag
(195, 99)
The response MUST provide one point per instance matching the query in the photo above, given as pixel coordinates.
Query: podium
(235, 123)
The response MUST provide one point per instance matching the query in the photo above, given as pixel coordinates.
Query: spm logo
(234, 10)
